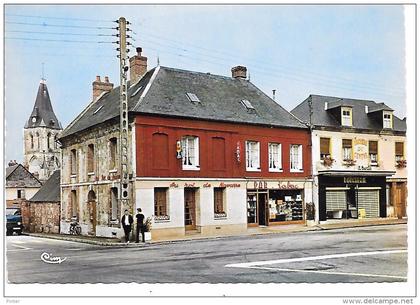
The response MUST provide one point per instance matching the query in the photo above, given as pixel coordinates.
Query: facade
(20, 185)
(41, 152)
(209, 154)
(41, 213)
(358, 153)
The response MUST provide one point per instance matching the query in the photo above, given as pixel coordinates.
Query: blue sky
(345, 51)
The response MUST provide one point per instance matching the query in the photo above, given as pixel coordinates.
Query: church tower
(41, 152)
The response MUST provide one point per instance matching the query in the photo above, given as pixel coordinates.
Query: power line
(61, 25)
(56, 40)
(59, 18)
(58, 33)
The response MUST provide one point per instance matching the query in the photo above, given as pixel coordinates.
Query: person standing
(127, 221)
(140, 225)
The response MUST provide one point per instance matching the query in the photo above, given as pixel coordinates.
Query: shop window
(219, 202)
(112, 153)
(161, 201)
(114, 203)
(346, 118)
(399, 151)
(296, 158)
(325, 148)
(160, 151)
(73, 162)
(274, 157)
(252, 207)
(387, 120)
(285, 205)
(347, 149)
(252, 156)
(91, 158)
(190, 153)
(373, 153)
(73, 203)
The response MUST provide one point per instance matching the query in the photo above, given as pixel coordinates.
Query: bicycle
(75, 228)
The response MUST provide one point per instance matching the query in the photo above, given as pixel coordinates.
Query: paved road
(370, 254)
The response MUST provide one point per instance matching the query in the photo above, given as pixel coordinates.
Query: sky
(354, 51)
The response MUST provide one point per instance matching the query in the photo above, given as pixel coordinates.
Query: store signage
(260, 184)
(288, 186)
(360, 149)
(189, 185)
(238, 152)
(355, 180)
(173, 184)
(206, 184)
(233, 185)
(283, 185)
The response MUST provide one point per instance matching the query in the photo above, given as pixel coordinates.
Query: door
(92, 212)
(262, 209)
(189, 209)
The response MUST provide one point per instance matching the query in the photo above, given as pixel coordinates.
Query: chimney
(274, 94)
(326, 106)
(138, 66)
(366, 108)
(98, 86)
(239, 72)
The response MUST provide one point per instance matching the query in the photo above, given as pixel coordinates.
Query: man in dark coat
(140, 225)
(126, 222)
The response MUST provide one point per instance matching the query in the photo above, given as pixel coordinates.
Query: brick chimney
(138, 66)
(239, 72)
(98, 86)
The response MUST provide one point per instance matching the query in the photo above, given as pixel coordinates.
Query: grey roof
(18, 176)
(43, 111)
(338, 103)
(50, 191)
(220, 100)
(361, 119)
(379, 107)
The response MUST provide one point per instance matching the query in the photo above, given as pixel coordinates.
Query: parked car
(14, 221)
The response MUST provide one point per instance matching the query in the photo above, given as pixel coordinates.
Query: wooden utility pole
(124, 137)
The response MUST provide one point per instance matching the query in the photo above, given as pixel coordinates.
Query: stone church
(41, 151)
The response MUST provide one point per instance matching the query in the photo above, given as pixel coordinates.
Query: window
(387, 120)
(37, 142)
(114, 203)
(274, 157)
(247, 104)
(161, 201)
(252, 156)
(325, 148)
(193, 98)
(219, 201)
(399, 151)
(112, 153)
(73, 162)
(347, 149)
(20, 194)
(373, 153)
(91, 158)
(190, 153)
(48, 140)
(346, 119)
(32, 141)
(296, 158)
(73, 203)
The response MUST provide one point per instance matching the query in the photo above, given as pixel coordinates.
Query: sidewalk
(330, 225)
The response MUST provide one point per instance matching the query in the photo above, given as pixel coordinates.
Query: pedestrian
(140, 225)
(127, 221)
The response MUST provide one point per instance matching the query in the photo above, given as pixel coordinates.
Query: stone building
(209, 154)
(359, 157)
(20, 185)
(41, 151)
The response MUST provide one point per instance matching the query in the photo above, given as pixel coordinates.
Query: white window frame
(387, 121)
(299, 163)
(186, 153)
(252, 156)
(272, 160)
(346, 120)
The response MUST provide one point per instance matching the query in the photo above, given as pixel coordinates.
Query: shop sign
(206, 184)
(232, 185)
(360, 149)
(173, 184)
(278, 185)
(260, 184)
(355, 180)
(288, 186)
(189, 184)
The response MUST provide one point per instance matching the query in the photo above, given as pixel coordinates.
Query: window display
(285, 205)
(252, 207)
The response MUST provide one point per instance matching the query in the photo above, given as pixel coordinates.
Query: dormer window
(387, 116)
(346, 117)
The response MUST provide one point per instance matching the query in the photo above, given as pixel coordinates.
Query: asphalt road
(369, 254)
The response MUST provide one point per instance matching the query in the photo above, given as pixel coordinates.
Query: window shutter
(347, 143)
(373, 147)
(325, 146)
(399, 148)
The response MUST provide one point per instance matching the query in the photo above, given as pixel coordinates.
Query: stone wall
(41, 217)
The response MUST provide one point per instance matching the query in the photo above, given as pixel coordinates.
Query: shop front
(275, 202)
(352, 195)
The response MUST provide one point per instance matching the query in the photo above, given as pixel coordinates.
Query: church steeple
(43, 114)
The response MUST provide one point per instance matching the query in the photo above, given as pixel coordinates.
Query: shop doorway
(92, 212)
(189, 208)
(262, 209)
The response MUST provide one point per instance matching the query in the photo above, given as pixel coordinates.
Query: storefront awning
(356, 173)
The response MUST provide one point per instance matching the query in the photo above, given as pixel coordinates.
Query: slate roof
(162, 91)
(43, 111)
(18, 176)
(361, 120)
(50, 191)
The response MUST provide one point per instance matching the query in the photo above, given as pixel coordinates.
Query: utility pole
(124, 137)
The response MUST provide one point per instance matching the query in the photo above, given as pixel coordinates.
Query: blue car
(14, 221)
